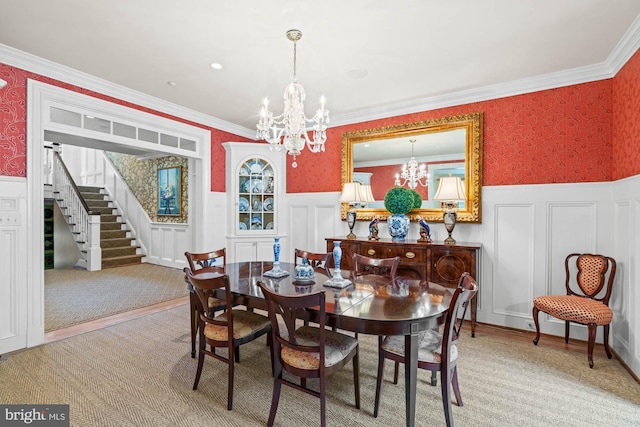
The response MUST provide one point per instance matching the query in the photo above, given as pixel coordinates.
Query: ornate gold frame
(471, 122)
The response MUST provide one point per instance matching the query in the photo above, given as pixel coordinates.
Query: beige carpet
(76, 296)
(140, 373)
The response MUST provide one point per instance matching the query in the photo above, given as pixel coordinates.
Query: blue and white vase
(304, 271)
(276, 251)
(337, 255)
(398, 226)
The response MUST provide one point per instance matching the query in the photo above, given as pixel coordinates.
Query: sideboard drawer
(406, 254)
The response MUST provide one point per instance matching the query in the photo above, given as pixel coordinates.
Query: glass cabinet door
(256, 202)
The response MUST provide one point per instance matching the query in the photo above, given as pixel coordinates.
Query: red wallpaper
(561, 135)
(553, 136)
(626, 120)
(13, 125)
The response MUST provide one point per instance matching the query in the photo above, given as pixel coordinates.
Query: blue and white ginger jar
(398, 226)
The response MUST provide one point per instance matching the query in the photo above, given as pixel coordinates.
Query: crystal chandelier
(412, 173)
(289, 129)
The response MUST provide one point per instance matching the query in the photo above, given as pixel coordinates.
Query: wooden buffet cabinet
(435, 262)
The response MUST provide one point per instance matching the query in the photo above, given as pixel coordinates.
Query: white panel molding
(571, 228)
(218, 212)
(319, 215)
(625, 232)
(513, 260)
(15, 330)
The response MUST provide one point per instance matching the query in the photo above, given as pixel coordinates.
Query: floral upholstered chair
(308, 351)
(581, 304)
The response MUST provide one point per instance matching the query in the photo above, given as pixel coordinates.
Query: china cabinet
(255, 178)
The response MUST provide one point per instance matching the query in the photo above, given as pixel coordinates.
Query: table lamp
(450, 192)
(356, 195)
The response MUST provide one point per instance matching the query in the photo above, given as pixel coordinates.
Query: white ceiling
(365, 56)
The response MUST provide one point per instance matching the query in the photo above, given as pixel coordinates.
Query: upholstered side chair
(307, 351)
(582, 303)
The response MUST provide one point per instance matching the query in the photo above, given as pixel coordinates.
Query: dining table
(371, 304)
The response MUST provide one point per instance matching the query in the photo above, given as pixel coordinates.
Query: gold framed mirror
(446, 146)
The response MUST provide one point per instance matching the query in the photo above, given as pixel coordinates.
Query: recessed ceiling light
(216, 66)
(358, 73)
(171, 83)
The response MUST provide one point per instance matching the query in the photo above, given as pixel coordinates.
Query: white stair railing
(84, 223)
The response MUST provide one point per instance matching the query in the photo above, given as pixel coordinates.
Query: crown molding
(626, 47)
(34, 64)
(624, 50)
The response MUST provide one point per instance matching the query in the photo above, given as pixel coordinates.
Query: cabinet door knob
(410, 255)
(371, 252)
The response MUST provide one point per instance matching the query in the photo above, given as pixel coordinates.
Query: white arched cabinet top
(255, 179)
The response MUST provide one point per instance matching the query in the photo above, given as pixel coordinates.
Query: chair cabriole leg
(590, 344)
(535, 313)
(606, 341)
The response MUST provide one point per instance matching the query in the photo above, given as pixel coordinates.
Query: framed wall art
(170, 191)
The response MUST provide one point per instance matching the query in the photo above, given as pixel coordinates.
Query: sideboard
(435, 262)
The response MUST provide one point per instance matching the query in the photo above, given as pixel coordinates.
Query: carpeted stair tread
(112, 226)
(93, 196)
(118, 251)
(89, 189)
(109, 218)
(98, 203)
(122, 260)
(113, 234)
(102, 210)
(117, 242)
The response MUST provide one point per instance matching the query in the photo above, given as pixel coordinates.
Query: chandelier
(412, 174)
(289, 129)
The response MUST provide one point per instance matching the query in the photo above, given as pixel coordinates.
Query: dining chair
(308, 351)
(322, 261)
(581, 304)
(436, 352)
(379, 266)
(214, 261)
(228, 330)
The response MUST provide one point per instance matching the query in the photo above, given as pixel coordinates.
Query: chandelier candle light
(356, 195)
(450, 192)
(289, 129)
(412, 173)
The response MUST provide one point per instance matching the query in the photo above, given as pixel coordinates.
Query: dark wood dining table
(370, 305)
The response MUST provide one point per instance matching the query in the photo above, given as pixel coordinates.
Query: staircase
(117, 247)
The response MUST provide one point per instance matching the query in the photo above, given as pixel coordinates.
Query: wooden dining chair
(214, 261)
(379, 266)
(581, 304)
(319, 261)
(308, 351)
(228, 330)
(437, 351)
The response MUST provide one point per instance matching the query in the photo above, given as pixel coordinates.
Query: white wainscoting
(625, 234)
(526, 232)
(14, 292)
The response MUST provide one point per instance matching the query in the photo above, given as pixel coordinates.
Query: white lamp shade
(350, 193)
(366, 196)
(450, 188)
